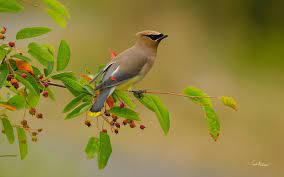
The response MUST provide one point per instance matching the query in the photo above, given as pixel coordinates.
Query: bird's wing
(101, 72)
(126, 67)
(115, 76)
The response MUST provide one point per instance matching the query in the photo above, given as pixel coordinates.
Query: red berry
(122, 105)
(104, 131)
(142, 127)
(3, 30)
(45, 93)
(39, 115)
(24, 75)
(9, 78)
(12, 44)
(16, 85)
(132, 125)
(45, 84)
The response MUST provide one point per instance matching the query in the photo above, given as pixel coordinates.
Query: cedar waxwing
(129, 67)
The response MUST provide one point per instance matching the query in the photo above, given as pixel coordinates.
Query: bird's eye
(154, 36)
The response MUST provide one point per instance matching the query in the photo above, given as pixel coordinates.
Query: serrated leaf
(125, 113)
(11, 6)
(57, 7)
(32, 32)
(4, 71)
(17, 101)
(23, 143)
(63, 56)
(9, 132)
(58, 18)
(40, 52)
(73, 103)
(60, 76)
(154, 103)
(22, 57)
(229, 101)
(125, 98)
(105, 150)
(79, 110)
(92, 147)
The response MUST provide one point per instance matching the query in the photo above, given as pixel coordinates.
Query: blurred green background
(233, 47)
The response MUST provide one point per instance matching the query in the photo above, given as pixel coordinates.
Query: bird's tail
(101, 99)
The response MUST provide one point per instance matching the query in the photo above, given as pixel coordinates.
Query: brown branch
(169, 93)
(57, 85)
(9, 155)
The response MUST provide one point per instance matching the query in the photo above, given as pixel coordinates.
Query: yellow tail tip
(94, 114)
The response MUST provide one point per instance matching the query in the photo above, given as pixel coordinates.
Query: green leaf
(33, 95)
(57, 7)
(73, 85)
(154, 103)
(206, 104)
(92, 147)
(125, 112)
(51, 95)
(213, 122)
(22, 57)
(75, 102)
(38, 57)
(63, 56)
(79, 110)
(125, 98)
(60, 76)
(17, 101)
(192, 91)
(32, 32)
(4, 71)
(23, 143)
(9, 132)
(11, 6)
(58, 18)
(40, 52)
(3, 53)
(229, 101)
(37, 72)
(105, 150)
(48, 70)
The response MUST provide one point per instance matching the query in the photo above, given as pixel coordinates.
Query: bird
(128, 67)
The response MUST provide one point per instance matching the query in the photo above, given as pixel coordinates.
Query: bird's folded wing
(101, 72)
(115, 75)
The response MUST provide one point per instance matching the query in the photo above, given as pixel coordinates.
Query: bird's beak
(163, 37)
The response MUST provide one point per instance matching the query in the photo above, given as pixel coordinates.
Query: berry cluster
(115, 122)
(2, 36)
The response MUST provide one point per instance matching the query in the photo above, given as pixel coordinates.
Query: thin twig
(169, 93)
(9, 155)
(57, 85)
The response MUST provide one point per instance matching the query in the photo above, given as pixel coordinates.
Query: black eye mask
(154, 37)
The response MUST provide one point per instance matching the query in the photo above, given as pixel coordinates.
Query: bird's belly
(128, 84)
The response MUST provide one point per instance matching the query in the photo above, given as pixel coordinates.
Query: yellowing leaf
(24, 66)
(229, 101)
